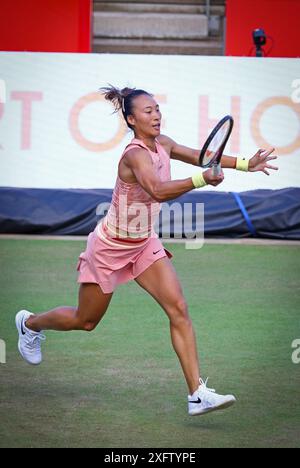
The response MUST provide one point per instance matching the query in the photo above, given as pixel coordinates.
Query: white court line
(165, 241)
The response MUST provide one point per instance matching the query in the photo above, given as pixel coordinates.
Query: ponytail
(122, 99)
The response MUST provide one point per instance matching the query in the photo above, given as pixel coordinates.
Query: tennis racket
(211, 153)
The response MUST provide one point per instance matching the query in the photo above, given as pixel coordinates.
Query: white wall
(56, 132)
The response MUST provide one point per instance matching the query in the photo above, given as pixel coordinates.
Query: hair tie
(123, 104)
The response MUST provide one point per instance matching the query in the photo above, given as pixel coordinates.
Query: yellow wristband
(198, 180)
(242, 164)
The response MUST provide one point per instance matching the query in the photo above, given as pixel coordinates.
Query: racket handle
(217, 170)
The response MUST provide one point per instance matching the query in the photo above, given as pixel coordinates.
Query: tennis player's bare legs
(93, 304)
(161, 281)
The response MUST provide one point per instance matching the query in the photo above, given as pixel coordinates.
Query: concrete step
(180, 2)
(148, 7)
(159, 27)
(150, 25)
(150, 46)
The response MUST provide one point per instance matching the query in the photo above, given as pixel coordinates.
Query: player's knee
(179, 313)
(83, 322)
(85, 325)
(89, 326)
(182, 307)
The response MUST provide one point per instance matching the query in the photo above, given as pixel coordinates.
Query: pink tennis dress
(124, 244)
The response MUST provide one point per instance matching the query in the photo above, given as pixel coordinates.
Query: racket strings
(215, 144)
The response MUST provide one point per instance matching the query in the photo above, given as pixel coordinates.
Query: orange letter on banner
(235, 139)
(207, 124)
(77, 135)
(255, 121)
(26, 98)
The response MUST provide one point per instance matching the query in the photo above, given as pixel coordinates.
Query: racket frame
(215, 162)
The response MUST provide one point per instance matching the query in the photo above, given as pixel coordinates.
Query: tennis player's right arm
(140, 163)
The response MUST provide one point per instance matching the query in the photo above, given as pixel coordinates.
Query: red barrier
(46, 26)
(279, 19)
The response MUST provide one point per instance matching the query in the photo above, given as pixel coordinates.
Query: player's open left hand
(260, 161)
(211, 179)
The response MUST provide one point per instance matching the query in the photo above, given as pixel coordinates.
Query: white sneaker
(205, 400)
(29, 341)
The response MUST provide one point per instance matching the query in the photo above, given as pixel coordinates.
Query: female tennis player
(123, 249)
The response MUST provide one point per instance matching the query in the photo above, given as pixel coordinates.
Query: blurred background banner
(57, 132)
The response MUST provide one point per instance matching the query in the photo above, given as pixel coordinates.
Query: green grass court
(121, 386)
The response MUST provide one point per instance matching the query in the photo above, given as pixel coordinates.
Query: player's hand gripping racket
(214, 146)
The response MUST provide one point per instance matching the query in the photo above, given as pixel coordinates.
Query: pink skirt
(110, 266)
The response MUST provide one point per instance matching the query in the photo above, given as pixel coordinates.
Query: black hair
(122, 99)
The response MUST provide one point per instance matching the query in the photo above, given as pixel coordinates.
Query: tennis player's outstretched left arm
(258, 163)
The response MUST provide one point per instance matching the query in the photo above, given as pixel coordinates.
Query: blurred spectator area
(186, 27)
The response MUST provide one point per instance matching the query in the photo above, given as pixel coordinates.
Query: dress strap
(134, 144)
